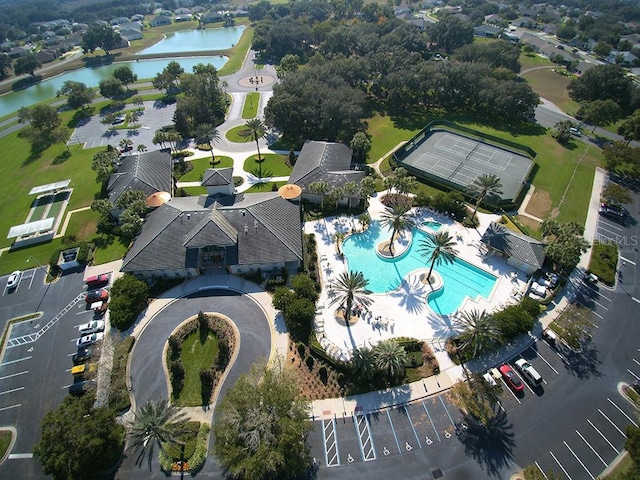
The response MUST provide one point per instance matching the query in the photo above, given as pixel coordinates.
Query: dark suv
(82, 355)
(613, 212)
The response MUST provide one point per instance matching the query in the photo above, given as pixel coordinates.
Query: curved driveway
(147, 374)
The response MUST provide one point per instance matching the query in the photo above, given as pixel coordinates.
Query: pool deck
(404, 312)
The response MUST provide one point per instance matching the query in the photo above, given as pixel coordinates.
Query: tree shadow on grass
(63, 157)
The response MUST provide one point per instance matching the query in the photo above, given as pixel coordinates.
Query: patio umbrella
(157, 199)
(289, 191)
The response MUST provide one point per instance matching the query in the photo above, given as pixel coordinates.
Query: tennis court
(456, 161)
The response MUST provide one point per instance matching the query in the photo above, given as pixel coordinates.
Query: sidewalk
(451, 373)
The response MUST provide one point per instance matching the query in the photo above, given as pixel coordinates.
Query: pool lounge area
(403, 304)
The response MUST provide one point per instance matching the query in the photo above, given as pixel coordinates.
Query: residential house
(212, 16)
(130, 34)
(198, 9)
(149, 172)
(182, 11)
(184, 17)
(520, 251)
(160, 20)
(328, 162)
(239, 233)
(17, 52)
(119, 21)
(624, 59)
(487, 31)
(137, 18)
(47, 55)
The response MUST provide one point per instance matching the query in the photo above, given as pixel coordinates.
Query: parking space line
(10, 406)
(507, 387)
(560, 465)
(614, 425)
(541, 470)
(627, 260)
(15, 361)
(579, 461)
(14, 374)
(431, 420)
(545, 361)
(446, 410)
(412, 426)
(393, 430)
(12, 390)
(609, 224)
(603, 437)
(635, 376)
(367, 449)
(592, 449)
(335, 459)
(620, 410)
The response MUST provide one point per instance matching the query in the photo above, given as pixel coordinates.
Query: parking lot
(94, 134)
(35, 370)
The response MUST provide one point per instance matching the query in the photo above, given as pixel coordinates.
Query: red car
(97, 280)
(97, 296)
(511, 378)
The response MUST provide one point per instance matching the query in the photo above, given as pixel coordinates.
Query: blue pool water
(431, 225)
(460, 278)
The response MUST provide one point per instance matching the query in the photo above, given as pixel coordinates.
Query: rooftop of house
(517, 245)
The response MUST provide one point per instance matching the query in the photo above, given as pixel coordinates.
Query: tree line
(326, 91)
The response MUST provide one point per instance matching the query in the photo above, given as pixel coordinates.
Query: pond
(46, 90)
(196, 41)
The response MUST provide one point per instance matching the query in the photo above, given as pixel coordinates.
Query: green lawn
(250, 108)
(5, 441)
(197, 353)
(194, 191)
(20, 172)
(201, 164)
(387, 134)
(273, 165)
(233, 135)
(238, 52)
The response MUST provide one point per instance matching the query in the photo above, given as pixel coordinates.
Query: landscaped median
(604, 262)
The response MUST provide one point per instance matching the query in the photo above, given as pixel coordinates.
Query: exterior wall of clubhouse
(451, 156)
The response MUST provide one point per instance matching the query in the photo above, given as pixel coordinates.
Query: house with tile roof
(238, 233)
(325, 161)
(520, 251)
(149, 172)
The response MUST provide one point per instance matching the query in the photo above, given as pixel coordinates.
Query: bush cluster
(449, 203)
(604, 262)
(128, 299)
(118, 393)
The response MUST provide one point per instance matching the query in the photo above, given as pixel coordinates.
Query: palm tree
(155, 424)
(363, 363)
(207, 133)
(439, 247)
(351, 287)
(390, 358)
(364, 219)
(350, 189)
(367, 187)
(256, 130)
(483, 185)
(142, 148)
(126, 144)
(396, 218)
(478, 331)
(338, 237)
(225, 85)
(319, 188)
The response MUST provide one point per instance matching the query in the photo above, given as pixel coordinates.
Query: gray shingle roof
(325, 161)
(517, 245)
(149, 172)
(265, 227)
(216, 177)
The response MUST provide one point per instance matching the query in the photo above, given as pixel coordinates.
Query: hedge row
(119, 399)
(604, 262)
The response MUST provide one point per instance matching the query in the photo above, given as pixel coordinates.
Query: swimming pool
(460, 278)
(431, 225)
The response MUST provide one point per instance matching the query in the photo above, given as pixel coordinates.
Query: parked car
(511, 378)
(81, 386)
(84, 369)
(575, 131)
(100, 295)
(118, 119)
(550, 336)
(82, 355)
(97, 280)
(613, 212)
(14, 279)
(528, 372)
(91, 327)
(89, 339)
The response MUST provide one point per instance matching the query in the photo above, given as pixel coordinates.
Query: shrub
(323, 374)
(302, 350)
(309, 361)
(200, 454)
(128, 299)
(513, 322)
(177, 372)
(531, 306)
(175, 347)
(118, 393)
(604, 261)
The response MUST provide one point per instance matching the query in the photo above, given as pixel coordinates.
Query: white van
(528, 372)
